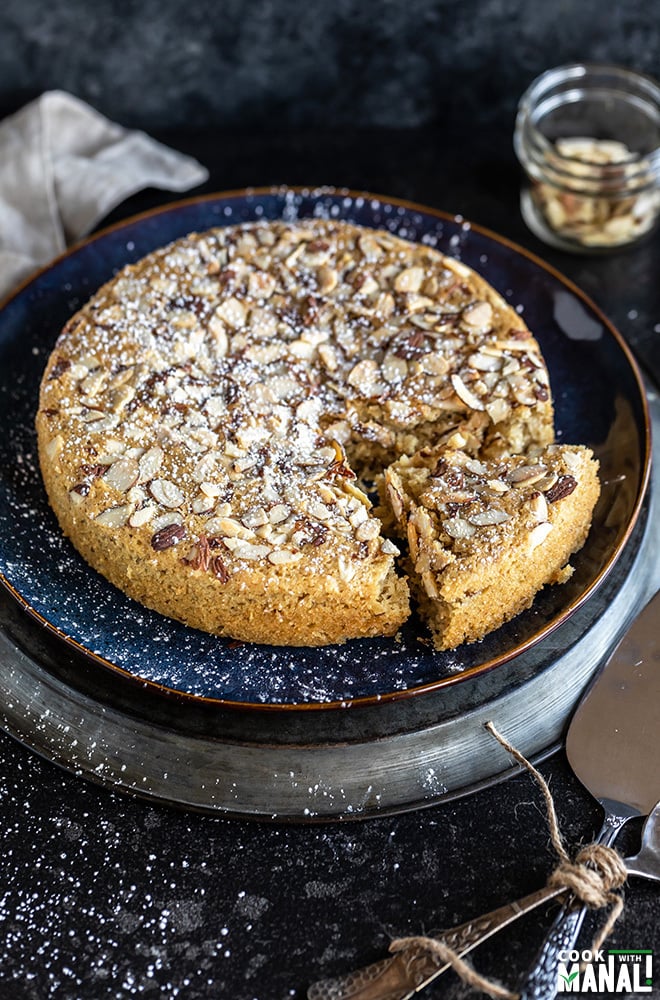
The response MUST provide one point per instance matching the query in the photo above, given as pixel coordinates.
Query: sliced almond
(215, 406)
(143, 515)
(283, 387)
(428, 582)
(210, 489)
(185, 319)
(233, 312)
(263, 324)
(539, 507)
(466, 394)
(218, 331)
(279, 513)
(367, 530)
(121, 397)
(229, 527)
(315, 253)
(547, 482)
(527, 475)
(136, 495)
(261, 285)
(409, 280)
(54, 447)
(76, 497)
(92, 416)
(396, 500)
(457, 527)
(115, 517)
(308, 410)
(89, 361)
(574, 462)
(434, 363)
(301, 349)
(485, 362)
(280, 557)
(357, 517)
(368, 287)
(122, 474)
(415, 302)
(423, 522)
(385, 305)
(498, 486)
(413, 541)
(394, 369)
(363, 375)
(538, 534)
(326, 279)
(347, 569)
(251, 552)
(202, 504)
(356, 493)
(498, 410)
(93, 383)
(98, 422)
(478, 316)
(255, 518)
(328, 357)
(388, 548)
(370, 248)
(492, 515)
(166, 493)
(476, 467)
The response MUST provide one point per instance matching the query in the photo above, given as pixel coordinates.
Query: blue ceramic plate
(599, 402)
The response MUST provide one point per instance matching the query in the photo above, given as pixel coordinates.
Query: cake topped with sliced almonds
(206, 418)
(485, 535)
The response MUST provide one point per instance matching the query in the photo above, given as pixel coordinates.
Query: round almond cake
(208, 419)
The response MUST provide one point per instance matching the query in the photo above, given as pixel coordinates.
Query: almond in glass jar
(588, 138)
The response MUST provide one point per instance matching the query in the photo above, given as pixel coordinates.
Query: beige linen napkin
(63, 167)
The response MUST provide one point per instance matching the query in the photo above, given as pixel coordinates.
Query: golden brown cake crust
(203, 419)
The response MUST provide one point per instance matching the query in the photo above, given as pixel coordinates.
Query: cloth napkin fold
(63, 167)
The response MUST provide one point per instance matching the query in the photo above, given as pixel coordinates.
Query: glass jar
(588, 138)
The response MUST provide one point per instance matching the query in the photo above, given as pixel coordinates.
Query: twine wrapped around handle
(592, 877)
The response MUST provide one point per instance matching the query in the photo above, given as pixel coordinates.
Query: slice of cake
(485, 536)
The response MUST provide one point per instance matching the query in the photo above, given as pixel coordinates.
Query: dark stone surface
(108, 897)
(187, 63)
(104, 896)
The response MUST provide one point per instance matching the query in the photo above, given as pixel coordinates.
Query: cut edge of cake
(484, 536)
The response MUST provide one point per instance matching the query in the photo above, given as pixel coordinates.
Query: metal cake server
(615, 751)
(401, 976)
(613, 746)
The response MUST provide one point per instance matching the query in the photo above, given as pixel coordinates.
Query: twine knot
(592, 877)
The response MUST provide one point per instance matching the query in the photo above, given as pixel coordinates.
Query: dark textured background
(268, 63)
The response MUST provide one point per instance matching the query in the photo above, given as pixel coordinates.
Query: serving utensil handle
(402, 975)
(541, 981)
